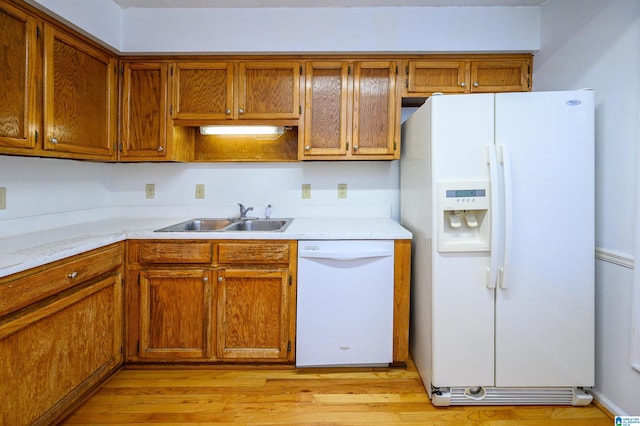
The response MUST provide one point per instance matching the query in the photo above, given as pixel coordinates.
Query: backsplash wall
(40, 187)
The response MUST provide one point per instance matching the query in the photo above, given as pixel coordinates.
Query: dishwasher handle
(345, 255)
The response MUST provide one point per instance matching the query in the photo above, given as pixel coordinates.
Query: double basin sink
(228, 225)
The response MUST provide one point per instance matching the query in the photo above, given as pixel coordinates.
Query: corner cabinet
(20, 60)
(80, 97)
(211, 301)
(351, 109)
(60, 334)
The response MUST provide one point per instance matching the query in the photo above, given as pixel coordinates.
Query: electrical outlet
(342, 190)
(150, 190)
(200, 191)
(306, 190)
(3, 198)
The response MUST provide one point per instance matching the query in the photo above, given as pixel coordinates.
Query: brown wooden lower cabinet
(58, 348)
(215, 301)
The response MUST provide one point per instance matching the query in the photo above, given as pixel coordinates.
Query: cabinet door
(374, 108)
(426, 77)
(175, 314)
(18, 61)
(500, 76)
(80, 97)
(203, 90)
(326, 97)
(269, 90)
(253, 314)
(51, 356)
(144, 110)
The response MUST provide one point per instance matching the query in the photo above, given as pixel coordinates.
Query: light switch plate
(306, 190)
(200, 191)
(3, 198)
(150, 190)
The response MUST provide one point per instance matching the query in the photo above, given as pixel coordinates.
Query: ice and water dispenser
(464, 222)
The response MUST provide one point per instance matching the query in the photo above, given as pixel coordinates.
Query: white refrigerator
(498, 191)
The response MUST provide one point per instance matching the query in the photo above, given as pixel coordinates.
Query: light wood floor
(298, 397)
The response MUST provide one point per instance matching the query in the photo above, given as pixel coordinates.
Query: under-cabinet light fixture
(242, 130)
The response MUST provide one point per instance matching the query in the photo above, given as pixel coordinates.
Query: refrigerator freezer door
(545, 307)
(462, 304)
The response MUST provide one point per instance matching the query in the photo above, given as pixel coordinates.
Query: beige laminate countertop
(29, 250)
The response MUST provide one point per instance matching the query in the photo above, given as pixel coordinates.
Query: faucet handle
(267, 212)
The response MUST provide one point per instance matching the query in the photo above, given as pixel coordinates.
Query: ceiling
(319, 3)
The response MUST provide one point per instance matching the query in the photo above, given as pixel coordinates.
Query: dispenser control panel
(464, 216)
(464, 195)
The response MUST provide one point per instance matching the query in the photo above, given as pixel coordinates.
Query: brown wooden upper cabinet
(242, 90)
(351, 110)
(146, 132)
(424, 77)
(80, 97)
(19, 61)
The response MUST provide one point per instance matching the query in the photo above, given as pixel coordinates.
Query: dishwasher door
(345, 303)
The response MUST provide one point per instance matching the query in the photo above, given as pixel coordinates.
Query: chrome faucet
(243, 210)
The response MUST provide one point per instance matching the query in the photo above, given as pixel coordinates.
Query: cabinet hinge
(395, 147)
(290, 279)
(406, 82)
(171, 70)
(289, 346)
(138, 347)
(396, 70)
(300, 69)
(138, 279)
(121, 350)
(122, 71)
(406, 70)
(38, 31)
(171, 110)
(347, 146)
(349, 69)
(299, 109)
(37, 135)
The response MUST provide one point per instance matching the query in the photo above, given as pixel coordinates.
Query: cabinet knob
(355, 147)
(205, 280)
(220, 279)
(476, 84)
(160, 149)
(53, 140)
(227, 111)
(307, 148)
(463, 84)
(241, 111)
(73, 275)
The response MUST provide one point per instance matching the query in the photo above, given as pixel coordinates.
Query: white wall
(99, 19)
(596, 45)
(380, 29)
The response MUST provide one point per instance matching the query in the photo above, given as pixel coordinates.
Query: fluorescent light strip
(241, 130)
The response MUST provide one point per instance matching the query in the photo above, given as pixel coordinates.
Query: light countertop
(29, 250)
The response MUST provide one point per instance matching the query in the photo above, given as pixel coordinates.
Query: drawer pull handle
(73, 275)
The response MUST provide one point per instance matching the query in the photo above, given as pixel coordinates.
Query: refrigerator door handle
(508, 206)
(492, 272)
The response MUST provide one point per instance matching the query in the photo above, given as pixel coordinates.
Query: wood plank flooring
(273, 396)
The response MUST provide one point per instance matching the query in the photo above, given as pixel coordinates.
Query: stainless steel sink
(258, 225)
(228, 225)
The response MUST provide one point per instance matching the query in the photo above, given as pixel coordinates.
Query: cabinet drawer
(173, 252)
(23, 289)
(254, 252)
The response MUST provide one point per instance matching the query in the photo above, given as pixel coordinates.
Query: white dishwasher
(345, 303)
